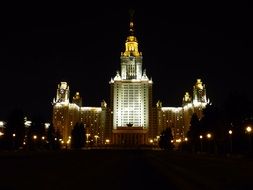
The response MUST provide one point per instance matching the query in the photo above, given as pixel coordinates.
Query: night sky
(44, 44)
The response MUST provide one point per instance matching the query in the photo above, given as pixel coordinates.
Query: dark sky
(44, 44)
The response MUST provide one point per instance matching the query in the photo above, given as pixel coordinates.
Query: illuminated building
(130, 117)
(131, 96)
(179, 118)
(67, 114)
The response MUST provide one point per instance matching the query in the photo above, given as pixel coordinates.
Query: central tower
(131, 90)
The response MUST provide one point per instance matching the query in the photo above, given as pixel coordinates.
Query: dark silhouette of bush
(78, 136)
(165, 139)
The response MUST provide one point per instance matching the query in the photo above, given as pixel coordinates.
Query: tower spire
(131, 24)
(131, 42)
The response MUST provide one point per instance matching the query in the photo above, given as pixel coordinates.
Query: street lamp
(96, 139)
(1, 127)
(107, 141)
(1, 123)
(230, 132)
(209, 136)
(201, 144)
(13, 140)
(248, 130)
(87, 137)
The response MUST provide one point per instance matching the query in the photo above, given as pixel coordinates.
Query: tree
(78, 136)
(237, 108)
(35, 133)
(165, 139)
(238, 112)
(194, 131)
(15, 130)
(213, 122)
(53, 138)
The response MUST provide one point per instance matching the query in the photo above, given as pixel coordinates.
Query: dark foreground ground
(122, 169)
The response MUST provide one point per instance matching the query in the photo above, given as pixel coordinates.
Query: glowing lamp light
(96, 138)
(200, 136)
(1, 123)
(230, 132)
(248, 129)
(87, 137)
(208, 135)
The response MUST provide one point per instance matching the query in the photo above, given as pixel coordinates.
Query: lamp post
(2, 127)
(201, 145)
(87, 138)
(249, 130)
(107, 141)
(14, 136)
(34, 137)
(230, 132)
(209, 136)
(96, 139)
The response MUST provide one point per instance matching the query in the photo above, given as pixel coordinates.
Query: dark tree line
(234, 115)
(37, 136)
(33, 137)
(14, 133)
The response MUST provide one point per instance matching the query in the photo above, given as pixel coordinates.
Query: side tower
(65, 114)
(62, 94)
(131, 95)
(199, 97)
(61, 109)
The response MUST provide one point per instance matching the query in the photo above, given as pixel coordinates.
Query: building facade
(130, 117)
(67, 114)
(131, 96)
(179, 118)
